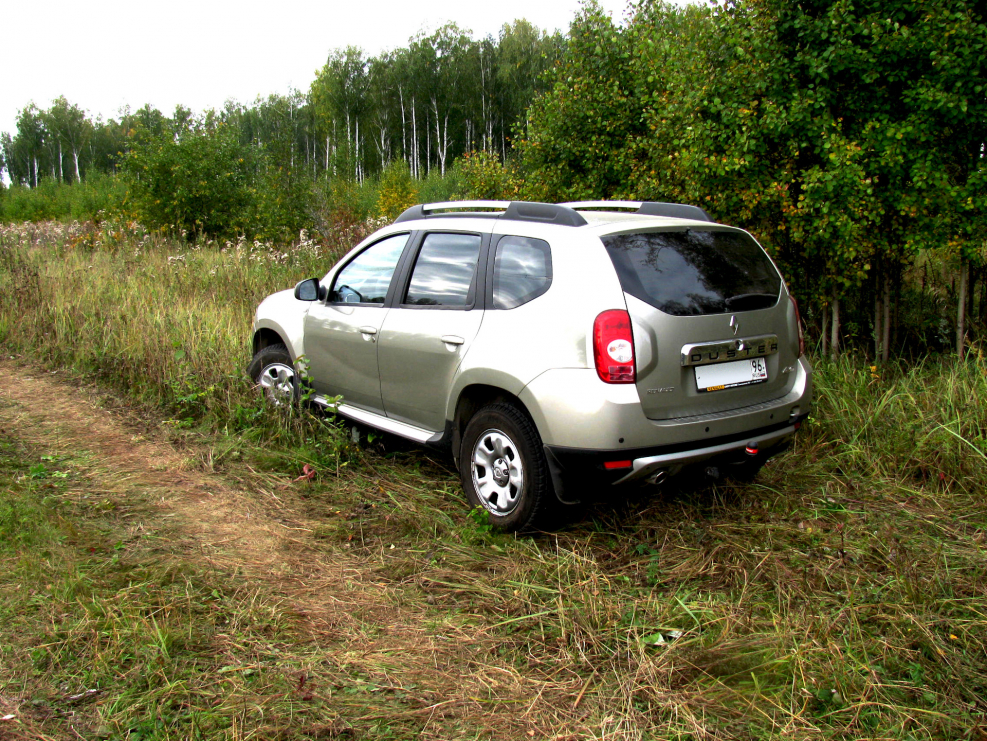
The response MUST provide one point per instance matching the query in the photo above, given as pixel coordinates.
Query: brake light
(613, 347)
(798, 322)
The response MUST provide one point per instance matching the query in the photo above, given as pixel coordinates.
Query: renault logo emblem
(735, 324)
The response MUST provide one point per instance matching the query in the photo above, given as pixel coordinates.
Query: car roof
(575, 214)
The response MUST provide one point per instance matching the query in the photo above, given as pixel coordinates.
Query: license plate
(730, 375)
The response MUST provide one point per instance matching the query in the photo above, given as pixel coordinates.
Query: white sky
(105, 54)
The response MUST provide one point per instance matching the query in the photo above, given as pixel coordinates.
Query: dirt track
(248, 528)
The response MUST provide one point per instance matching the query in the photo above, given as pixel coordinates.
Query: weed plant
(841, 596)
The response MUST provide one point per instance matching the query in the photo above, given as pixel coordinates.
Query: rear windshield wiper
(751, 301)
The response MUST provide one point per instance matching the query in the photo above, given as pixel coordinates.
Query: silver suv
(551, 347)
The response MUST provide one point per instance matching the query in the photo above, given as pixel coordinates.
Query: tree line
(849, 137)
(427, 103)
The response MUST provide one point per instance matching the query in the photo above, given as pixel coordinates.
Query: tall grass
(167, 322)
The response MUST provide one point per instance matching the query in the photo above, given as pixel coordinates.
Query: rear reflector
(610, 465)
(613, 347)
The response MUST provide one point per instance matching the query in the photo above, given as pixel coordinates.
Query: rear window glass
(522, 271)
(695, 272)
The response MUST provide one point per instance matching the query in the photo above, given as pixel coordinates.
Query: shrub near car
(551, 347)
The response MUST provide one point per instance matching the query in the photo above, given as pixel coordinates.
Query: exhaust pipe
(658, 477)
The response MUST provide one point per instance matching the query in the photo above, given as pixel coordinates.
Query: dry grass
(842, 596)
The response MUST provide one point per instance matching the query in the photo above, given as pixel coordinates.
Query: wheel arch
(268, 332)
(472, 398)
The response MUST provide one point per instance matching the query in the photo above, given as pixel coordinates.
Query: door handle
(451, 339)
(368, 330)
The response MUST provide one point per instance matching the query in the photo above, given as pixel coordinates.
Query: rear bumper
(572, 408)
(765, 443)
(569, 464)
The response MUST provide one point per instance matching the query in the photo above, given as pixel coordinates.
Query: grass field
(842, 596)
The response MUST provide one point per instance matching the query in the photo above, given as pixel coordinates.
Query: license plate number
(730, 375)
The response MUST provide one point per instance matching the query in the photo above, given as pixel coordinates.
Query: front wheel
(274, 374)
(503, 468)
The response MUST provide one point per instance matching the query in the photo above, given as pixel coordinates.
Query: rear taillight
(798, 322)
(613, 347)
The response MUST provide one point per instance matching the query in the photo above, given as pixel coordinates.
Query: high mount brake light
(798, 322)
(613, 347)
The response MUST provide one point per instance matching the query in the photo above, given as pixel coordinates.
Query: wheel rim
(498, 472)
(278, 383)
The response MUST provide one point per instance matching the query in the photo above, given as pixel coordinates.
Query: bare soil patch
(372, 626)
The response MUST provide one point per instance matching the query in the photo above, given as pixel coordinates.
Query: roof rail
(647, 208)
(545, 213)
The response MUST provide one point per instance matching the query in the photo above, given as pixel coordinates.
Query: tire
(503, 468)
(273, 372)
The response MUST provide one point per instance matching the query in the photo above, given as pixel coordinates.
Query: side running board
(401, 429)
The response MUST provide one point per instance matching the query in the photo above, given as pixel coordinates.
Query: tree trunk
(971, 292)
(75, 157)
(877, 312)
(825, 327)
(895, 322)
(961, 311)
(414, 141)
(834, 340)
(886, 333)
(983, 296)
(404, 129)
(438, 134)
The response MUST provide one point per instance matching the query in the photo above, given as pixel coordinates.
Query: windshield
(695, 272)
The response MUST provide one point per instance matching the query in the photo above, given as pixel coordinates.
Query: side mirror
(310, 290)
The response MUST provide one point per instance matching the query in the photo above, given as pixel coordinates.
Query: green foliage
(436, 188)
(483, 175)
(847, 137)
(577, 133)
(199, 180)
(347, 200)
(93, 199)
(396, 190)
(283, 201)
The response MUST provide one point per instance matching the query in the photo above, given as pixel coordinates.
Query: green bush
(397, 190)
(283, 202)
(85, 201)
(436, 188)
(199, 180)
(483, 175)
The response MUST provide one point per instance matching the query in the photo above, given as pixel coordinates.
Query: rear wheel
(503, 468)
(274, 374)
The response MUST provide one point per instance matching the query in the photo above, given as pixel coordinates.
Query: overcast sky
(106, 54)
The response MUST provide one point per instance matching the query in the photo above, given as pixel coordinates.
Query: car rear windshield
(695, 272)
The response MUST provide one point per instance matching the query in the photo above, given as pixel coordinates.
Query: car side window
(367, 276)
(522, 271)
(445, 271)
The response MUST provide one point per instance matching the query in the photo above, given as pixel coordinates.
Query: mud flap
(558, 480)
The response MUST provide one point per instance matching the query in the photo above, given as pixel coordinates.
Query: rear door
(710, 320)
(428, 332)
